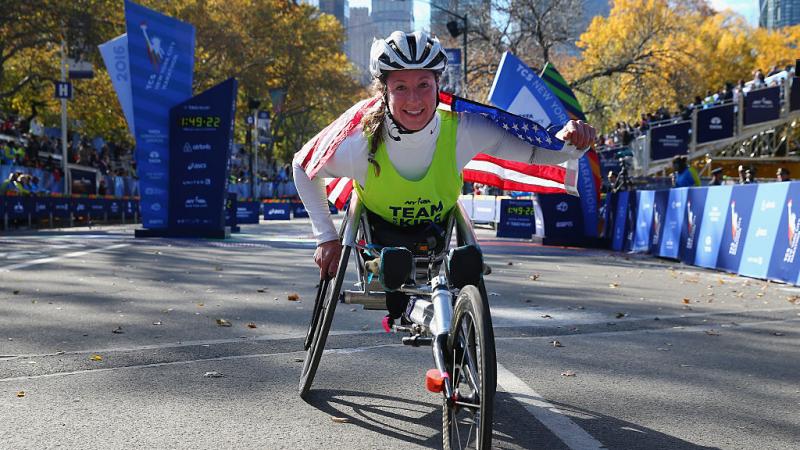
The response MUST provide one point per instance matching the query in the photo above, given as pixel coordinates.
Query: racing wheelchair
(447, 310)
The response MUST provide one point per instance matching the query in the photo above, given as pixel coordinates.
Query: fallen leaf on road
(535, 276)
(793, 299)
(759, 294)
(620, 315)
(777, 333)
(96, 358)
(16, 292)
(293, 297)
(261, 290)
(568, 373)
(252, 325)
(662, 349)
(510, 263)
(340, 419)
(213, 375)
(118, 330)
(686, 365)
(547, 316)
(556, 344)
(493, 294)
(712, 333)
(686, 301)
(218, 268)
(157, 323)
(21, 394)
(299, 360)
(613, 285)
(224, 323)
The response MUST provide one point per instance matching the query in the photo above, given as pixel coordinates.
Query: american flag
(483, 168)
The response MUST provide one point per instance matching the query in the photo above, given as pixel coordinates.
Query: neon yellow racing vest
(405, 202)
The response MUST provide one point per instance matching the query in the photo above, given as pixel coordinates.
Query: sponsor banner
(712, 226)
(518, 90)
(644, 221)
(277, 211)
(794, 95)
(715, 123)
(588, 183)
(115, 57)
(201, 142)
(452, 75)
(114, 208)
(18, 207)
(621, 220)
(516, 219)
(670, 140)
(483, 208)
(673, 222)
(767, 209)
(563, 220)
(80, 207)
(60, 206)
(299, 211)
(736, 223)
(83, 181)
(160, 60)
(247, 212)
(607, 213)
(2, 206)
(41, 207)
(785, 262)
(762, 105)
(660, 199)
(98, 207)
(692, 221)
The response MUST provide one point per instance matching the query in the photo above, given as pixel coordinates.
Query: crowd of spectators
(624, 132)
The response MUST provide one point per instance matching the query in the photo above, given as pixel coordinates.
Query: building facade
(392, 15)
(360, 33)
(778, 13)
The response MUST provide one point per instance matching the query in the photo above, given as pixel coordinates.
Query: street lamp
(455, 29)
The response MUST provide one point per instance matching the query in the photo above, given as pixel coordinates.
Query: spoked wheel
(467, 418)
(324, 307)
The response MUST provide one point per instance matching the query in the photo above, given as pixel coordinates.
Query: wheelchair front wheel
(467, 418)
(321, 323)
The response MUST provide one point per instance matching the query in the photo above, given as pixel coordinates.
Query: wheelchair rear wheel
(467, 418)
(325, 306)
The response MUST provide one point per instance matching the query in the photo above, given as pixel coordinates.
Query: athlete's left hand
(577, 133)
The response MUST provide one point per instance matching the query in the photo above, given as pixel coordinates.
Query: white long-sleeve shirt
(411, 154)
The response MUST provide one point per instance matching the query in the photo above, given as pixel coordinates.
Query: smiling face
(412, 97)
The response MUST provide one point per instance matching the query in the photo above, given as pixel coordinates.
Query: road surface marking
(573, 436)
(57, 258)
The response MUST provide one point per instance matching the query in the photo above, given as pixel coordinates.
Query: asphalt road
(105, 341)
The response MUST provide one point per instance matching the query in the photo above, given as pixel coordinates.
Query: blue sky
(747, 8)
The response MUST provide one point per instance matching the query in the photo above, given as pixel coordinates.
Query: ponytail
(374, 122)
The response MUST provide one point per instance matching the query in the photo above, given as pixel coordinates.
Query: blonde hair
(373, 122)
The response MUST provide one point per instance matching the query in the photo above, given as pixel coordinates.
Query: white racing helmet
(406, 51)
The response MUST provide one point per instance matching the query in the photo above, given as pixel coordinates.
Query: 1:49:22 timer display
(200, 121)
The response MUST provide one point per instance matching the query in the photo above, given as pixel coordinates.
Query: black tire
(324, 319)
(473, 371)
(322, 289)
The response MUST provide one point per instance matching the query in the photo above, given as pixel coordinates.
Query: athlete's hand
(577, 133)
(327, 258)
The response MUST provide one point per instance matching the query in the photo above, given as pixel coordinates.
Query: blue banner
(115, 57)
(673, 221)
(660, 199)
(785, 262)
(587, 191)
(97, 208)
(41, 207)
(621, 220)
(670, 140)
(247, 212)
(644, 221)
(712, 226)
(80, 207)
(738, 219)
(299, 211)
(61, 206)
(114, 208)
(563, 221)
(762, 229)
(715, 123)
(794, 95)
(277, 211)
(518, 90)
(692, 221)
(161, 61)
(201, 142)
(18, 207)
(762, 105)
(516, 219)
